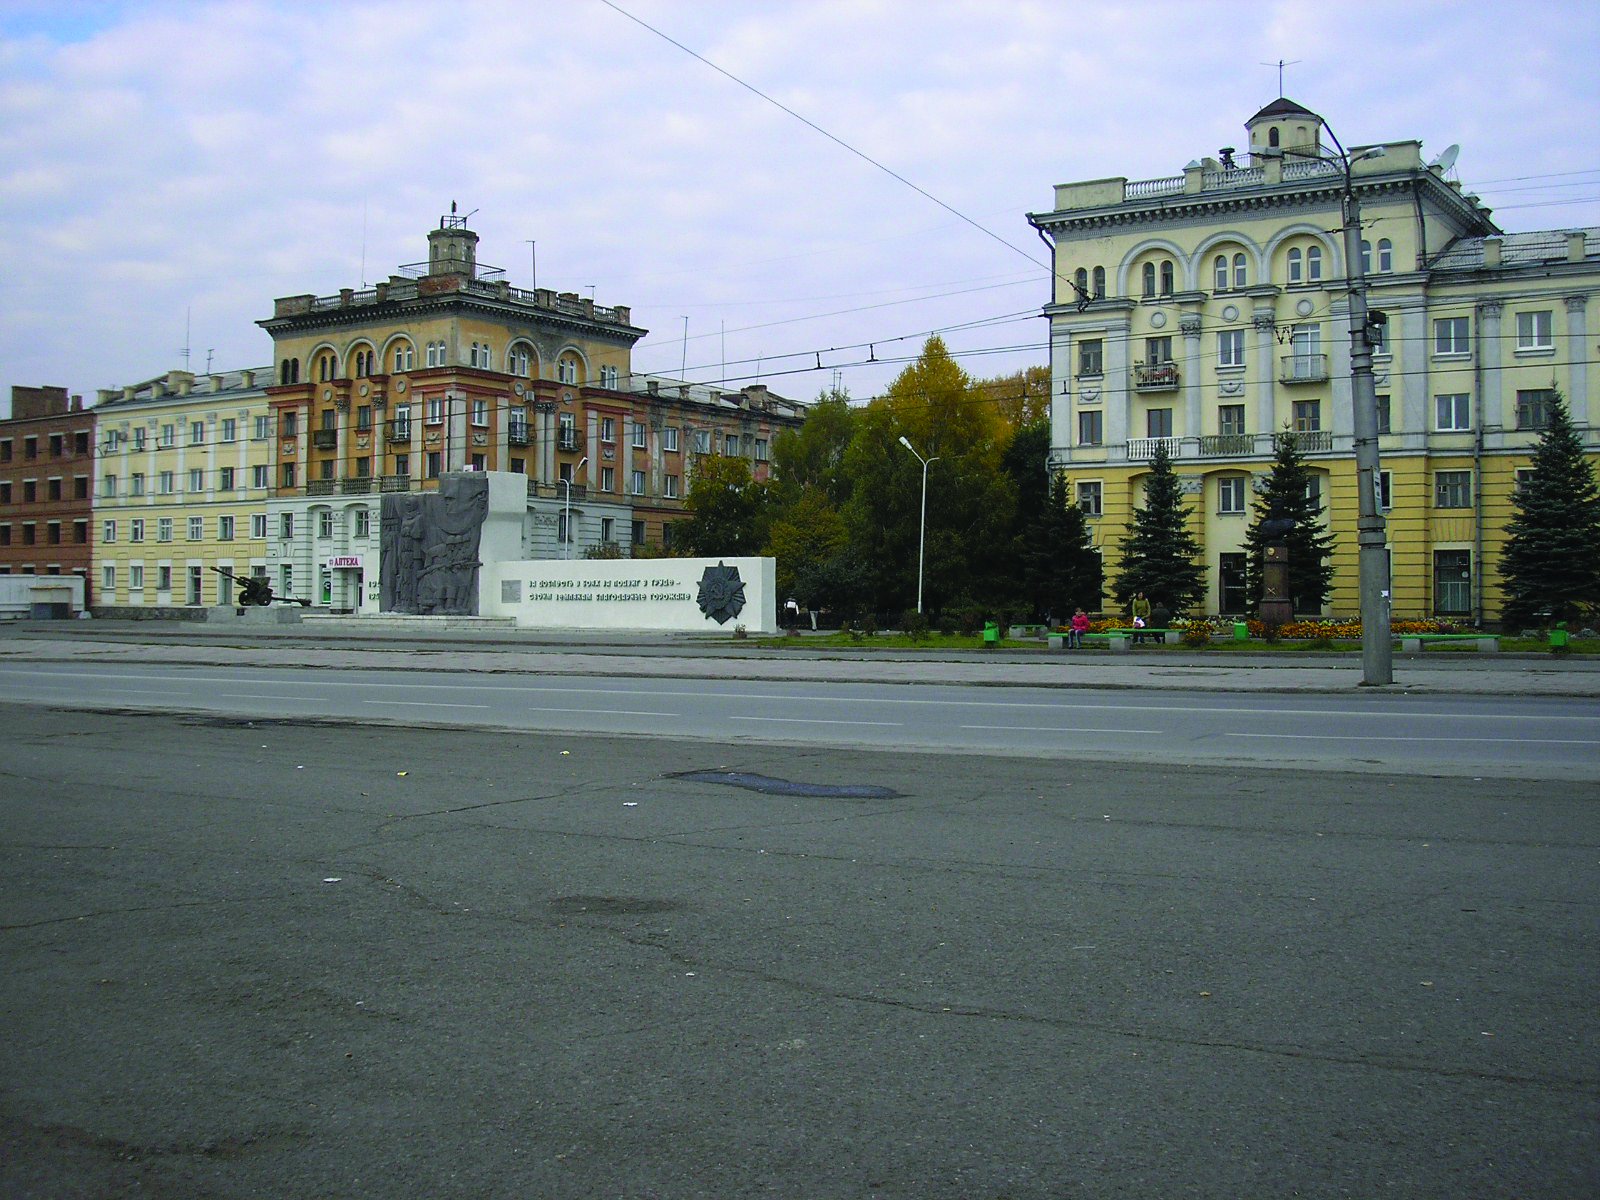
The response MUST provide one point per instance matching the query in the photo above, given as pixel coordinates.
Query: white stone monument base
(646, 593)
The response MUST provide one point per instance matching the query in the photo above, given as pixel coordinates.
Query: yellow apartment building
(1206, 310)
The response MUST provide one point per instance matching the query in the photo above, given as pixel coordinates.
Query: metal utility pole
(1377, 646)
(922, 536)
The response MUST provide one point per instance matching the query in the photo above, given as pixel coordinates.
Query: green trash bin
(1558, 638)
(1241, 632)
(991, 633)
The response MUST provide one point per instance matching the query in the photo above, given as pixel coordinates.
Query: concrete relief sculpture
(429, 548)
(721, 593)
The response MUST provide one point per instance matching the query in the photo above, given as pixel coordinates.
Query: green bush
(914, 625)
(1196, 636)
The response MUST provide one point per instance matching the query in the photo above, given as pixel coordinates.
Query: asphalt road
(1554, 738)
(344, 960)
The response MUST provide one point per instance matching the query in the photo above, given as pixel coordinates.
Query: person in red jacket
(1076, 629)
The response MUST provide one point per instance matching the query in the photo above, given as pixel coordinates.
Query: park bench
(1119, 639)
(1416, 643)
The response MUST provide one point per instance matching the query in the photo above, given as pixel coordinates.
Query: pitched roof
(1517, 249)
(1283, 107)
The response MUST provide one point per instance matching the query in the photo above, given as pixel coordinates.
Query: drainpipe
(1477, 473)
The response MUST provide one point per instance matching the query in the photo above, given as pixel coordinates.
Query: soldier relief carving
(429, 548)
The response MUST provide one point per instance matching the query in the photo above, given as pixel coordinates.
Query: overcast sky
(164, 159)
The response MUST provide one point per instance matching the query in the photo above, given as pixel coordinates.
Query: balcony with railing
(557, 491)
(397, 431)
(325, 439)
(1227, 445)
(1144, 449)
(1155, 377)
(569, 439)
(1303, 368)
(517, 435)
(1313, 441)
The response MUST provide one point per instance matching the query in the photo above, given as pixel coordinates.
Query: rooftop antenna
(185, 350)
(1280, 64)
(363, 241)
(684, 368)
(533, 264)
(209, 353)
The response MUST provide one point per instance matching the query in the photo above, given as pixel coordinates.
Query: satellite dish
(1448, 159)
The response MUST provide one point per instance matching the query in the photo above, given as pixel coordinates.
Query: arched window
(1314, 263)
(1272, 136)
(1385, 255)
(1219, 267)
(1099, 283)
(1081, 277)
(1149, 279)
(325, 368)
(1166, 278)
(1296, 269)
(404, 357)
(517, 360)
(1241, 271)
(1366, 257)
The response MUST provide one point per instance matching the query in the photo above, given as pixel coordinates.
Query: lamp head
(1371, 152)
(581, 461)
(906, 443)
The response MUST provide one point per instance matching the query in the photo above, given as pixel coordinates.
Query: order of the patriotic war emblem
(721, 593)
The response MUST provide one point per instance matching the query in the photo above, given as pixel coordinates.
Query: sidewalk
(609, 653)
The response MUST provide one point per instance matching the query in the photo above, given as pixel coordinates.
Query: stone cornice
(400, 313)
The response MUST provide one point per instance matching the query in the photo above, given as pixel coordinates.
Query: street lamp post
(566, 541)
(1377, 647)
(922, 535)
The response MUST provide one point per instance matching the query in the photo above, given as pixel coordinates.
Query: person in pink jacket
(1078, 626)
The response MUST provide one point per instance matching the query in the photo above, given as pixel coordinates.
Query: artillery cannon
(256, 591)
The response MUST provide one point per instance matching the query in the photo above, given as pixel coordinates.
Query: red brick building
(46, 472)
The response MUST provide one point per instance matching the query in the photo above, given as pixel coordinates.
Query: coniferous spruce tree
(1061, 570)
(1286, 497)
(1159, 554)
(1550, 569)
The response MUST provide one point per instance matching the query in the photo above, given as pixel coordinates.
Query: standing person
(1075, 631)
(1139, 610)
(791, 613)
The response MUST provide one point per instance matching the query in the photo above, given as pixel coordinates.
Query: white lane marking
(814, 721)
(421, 704)
(1210, 706)
(1058, 729)
(1358, 737)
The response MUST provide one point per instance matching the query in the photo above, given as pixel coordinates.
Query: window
(1220, 271)
(1230, 495)
(197, 527)
(163, 529)
(669, 438)
(325, 524)
(1385, 490)
(108, 532)
(1450, 335)
(263, 428)
(1533, 408)
(1158, 423)
(608, 377)
(1157, 350)
(402, 465)
(136, 577)
(433, 464)
(80, 487)
(197, 433)
(230, 430)
(169, 437)
(138, 441)
(1166, 277)
(434, 413)
(1090, 427)
(1366, 257)
(29, 534)
(637, 533)
(1080, 279)
(1383, 414)
(30, 490)
(260, 475)
(637, 435)
(567, 370)
(1149, 278)
(285, 580)
(1230, 348)
(402, 423)
(1452, 489)
(291, 424)
(480, 462)
(258, 525)
(5, 451)
(197, 480)
(730, 444)
(1534, 331)
(702, 441)
(518, 360)
(363, 522)
(286, 526)
(1314, 492)
(608, 479)
(567, 432)
(1385, 256)
(53, 489)
(224, 529)
(136, 484)
(164, 483)
(225, 479)
(636, 483)
(1091, 356)
(364, 416)
(329, 421)
(1230, 419)
(1090, 498)
(405, 357)
(669, 486)
(108, 578)
(608, 529)
(80, 533)
(5, 535)
(1241, 271)
(608, 429)
(1313, 263)
(1452, 412)
(1307, 416)
(480, 412)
